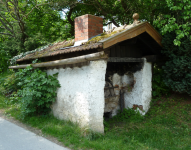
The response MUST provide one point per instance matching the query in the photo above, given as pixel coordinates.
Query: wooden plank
(121, 101)
(79, 65)
(151, 58)
(154, 58)
(154, 34)
(124, 59)
(131, 33)
(74, 60)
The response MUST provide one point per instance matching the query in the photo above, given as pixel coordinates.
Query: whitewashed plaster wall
(141, 93)
(80, 98)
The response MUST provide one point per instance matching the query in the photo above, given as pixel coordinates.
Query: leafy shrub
(8, 83)
(178, 68)
(158, 85)
(3, 60)
(37, 91)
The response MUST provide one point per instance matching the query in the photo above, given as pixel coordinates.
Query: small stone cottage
(100, 73)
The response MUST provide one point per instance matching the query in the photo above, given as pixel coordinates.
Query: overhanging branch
(7, 34)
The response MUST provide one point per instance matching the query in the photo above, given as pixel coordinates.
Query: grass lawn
(167, 126)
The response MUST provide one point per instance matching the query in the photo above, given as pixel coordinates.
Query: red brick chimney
(87, 26)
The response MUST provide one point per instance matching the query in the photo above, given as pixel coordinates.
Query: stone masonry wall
(137, 89)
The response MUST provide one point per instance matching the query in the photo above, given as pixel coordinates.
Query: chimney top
(87, 26)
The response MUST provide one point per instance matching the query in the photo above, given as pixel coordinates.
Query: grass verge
(166, 126)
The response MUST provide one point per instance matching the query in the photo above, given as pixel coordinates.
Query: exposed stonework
(112, 95)
(136, 87)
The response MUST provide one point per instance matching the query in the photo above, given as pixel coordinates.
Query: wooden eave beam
(131, 33)
(124, 59)
(155, 58)
(69, 61)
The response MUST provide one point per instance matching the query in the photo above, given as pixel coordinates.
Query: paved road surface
(13, 137)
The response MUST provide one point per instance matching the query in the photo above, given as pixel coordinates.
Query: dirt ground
(185, 97)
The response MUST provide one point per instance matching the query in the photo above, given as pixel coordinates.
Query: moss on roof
(49, 49)
(39, 52)
(101, 37)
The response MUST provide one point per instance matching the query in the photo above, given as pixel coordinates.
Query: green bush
(37, 91)
(4, 60)
(158, 85)
(8, 83)
(177, 69)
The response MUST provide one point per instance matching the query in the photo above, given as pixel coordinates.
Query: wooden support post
(121, 100)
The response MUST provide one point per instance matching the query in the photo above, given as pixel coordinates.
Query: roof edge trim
(131, 33)
(74, 60)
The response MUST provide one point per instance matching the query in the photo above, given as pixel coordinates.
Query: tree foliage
(27, 25)
(25, 22)
(115, 11)
(178, 68)
(159, 88)
(13, 17)
(4, 58)
(166, 15)
(177, 19)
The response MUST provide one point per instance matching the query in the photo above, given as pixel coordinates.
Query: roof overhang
(131, 33)
(69, 61)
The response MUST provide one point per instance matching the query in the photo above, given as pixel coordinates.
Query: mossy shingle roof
(102, 41)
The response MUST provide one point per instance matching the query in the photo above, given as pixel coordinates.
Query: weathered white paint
(81, 95)
(141, 92)
(127, 80)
